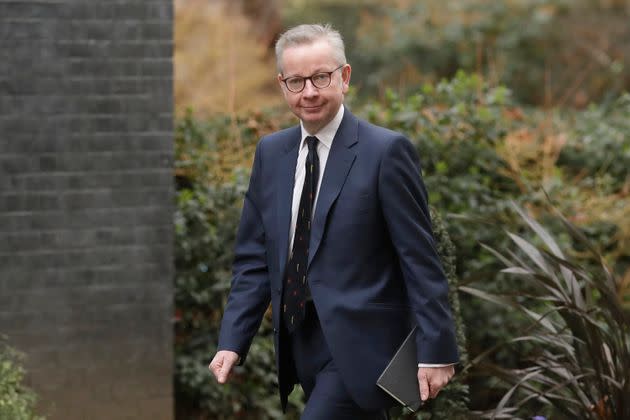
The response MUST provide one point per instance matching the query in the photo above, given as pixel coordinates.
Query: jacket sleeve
(403, 199)
(249, 294)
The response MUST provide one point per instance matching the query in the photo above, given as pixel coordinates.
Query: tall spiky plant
(580, 363)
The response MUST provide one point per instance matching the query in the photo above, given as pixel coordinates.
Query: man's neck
(313, 130)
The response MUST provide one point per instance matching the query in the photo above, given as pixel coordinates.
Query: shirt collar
(327, 133)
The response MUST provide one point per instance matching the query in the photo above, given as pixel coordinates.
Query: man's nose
(309, 89)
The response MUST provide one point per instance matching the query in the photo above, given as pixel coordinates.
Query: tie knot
(311, 141)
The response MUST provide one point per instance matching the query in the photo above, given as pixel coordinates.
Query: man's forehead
(317, 55)
(319, 42)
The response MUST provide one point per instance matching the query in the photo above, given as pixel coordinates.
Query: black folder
(400, 377)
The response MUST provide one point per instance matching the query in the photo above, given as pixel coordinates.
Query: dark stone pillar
(86, 203)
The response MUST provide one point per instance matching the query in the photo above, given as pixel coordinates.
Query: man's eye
(320, 77)
(295, 81)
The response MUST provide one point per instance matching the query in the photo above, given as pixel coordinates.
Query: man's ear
(345, 78)
(280, 82)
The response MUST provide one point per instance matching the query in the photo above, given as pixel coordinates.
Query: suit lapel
(340, 160)
(285, 180)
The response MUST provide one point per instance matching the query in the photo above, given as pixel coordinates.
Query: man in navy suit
(335, 232)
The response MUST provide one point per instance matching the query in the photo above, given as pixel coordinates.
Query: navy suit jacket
(373, 267)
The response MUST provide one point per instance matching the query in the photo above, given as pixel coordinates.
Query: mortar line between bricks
(127, 133)
(81, 230)
(113, 44)
(169, 226)
(165, 41)
(151, 60)
(113, 307)
(66, 2)
(102, 267)
(67, 191)
(142, 152)
(84, 250)
(71, 173)
(126, 287)
(83, 96)
(110, 116)
(38, 2)
(108, 22)
(92, 287)
(70, 191)
(88, 210)
(103, 79)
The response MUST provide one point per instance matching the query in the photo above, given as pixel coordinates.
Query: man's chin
(314, 111)
(313, 118)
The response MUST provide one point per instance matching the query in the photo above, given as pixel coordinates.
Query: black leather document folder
(400, 377)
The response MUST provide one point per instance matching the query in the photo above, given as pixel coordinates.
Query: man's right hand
(221, 365)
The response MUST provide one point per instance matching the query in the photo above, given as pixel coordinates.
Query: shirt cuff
(434, 365)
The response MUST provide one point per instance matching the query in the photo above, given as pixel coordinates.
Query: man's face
(314, 106)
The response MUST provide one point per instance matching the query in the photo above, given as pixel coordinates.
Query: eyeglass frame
(304, 79)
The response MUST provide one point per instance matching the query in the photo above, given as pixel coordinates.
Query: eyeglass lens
(319, 80)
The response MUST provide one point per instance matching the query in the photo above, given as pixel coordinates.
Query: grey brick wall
(86, 202)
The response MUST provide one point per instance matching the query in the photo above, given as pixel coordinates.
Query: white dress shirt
(325, 137)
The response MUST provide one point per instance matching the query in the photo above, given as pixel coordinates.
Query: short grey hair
(308, 34)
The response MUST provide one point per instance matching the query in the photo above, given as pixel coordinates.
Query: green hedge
(17, 402)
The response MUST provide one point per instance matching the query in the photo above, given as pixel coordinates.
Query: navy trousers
(326, 395)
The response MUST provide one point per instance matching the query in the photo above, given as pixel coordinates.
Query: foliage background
(541, 110)
(17, 401)
(549, 52)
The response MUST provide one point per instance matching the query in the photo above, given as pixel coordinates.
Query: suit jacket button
(278, 290)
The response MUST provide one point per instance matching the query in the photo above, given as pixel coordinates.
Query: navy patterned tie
(296, 290)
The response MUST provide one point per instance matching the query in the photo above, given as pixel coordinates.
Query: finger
(224, 372)
(434, 390)
(424, 387)
(214, 368)
(436, 385)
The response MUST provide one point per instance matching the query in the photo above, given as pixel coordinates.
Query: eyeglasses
(320, 80)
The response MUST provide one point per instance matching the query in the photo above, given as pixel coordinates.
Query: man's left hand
(432, 379)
